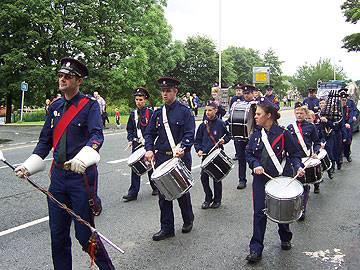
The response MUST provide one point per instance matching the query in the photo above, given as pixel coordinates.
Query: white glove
(85, 158)
(75, 165)
(31, 166)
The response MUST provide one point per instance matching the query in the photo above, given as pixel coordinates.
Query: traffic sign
(261, 75)
(24, 86)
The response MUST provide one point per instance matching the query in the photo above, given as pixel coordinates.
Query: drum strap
(301, 139)
(168, 130)
(209, 132)
(138, 130)
(270, 151)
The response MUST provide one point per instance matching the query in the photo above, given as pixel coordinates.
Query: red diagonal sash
(66, 119)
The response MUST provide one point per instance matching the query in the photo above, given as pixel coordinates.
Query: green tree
(198, 70)
(276, 77)
(351, 10)
(243, 60)
(307, 75)
(122, 42)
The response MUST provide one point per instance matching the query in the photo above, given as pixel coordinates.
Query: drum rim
(208, 157)
(133, 154)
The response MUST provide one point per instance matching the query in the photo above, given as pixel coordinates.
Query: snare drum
(217, 164)
(324, 159)
(138, 163)
(283, 200)
(313, 171)
(241, 121)
(172, 179)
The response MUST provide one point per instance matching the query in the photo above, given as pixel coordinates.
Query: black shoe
(205, 205)
(330, 174)
(128, 198)
(215, 205)
(186, 228)
(253, 257)
(286, 245)
(241, 185)
(155, 192)
(339, 166)
(160, 235)
(235, 158)
(316, 190)
(349, 159)
(302, 217)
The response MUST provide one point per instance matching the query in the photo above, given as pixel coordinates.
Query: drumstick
(297, 175)
(216, 144)
(152, 164)
(272, 178)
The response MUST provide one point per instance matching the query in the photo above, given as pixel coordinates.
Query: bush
(35, 116)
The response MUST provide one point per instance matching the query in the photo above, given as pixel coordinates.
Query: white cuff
(88, 156)
(34, 164)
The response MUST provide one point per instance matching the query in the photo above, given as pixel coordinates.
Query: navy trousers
(260, 219)
(240, 154)
(207, 189)
(166, 207)
(135, 179)
(68, 188)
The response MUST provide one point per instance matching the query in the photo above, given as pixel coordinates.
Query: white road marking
(32, 223)
(117, 161)
(38, 221)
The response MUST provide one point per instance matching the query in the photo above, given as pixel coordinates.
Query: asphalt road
(327, 239)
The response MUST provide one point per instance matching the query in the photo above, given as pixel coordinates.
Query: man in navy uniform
(240, 144)
(182, 126)
(349, 113)
(238, 94)
(212, 131)
(73, 128)
(312, 102)
(136, 125)
(271, 97)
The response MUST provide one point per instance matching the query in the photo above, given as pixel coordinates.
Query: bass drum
(241, 121)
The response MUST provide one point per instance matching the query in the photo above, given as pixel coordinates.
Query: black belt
(168, 153)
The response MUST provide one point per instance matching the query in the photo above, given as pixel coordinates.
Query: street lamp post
(220, 44)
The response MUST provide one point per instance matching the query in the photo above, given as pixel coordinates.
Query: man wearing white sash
(136, 125)
(306, 135)
(170, 133)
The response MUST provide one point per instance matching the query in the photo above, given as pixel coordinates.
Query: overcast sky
(299, 31)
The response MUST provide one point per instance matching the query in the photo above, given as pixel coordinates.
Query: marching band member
(349, 113)
(279, 140)
(73, 128)
(327, 136)
(180, 123)
(215, 93)
(208, 135)
(312, 102)
(239, 96)
(306, 135)
(240, 144)
(271, 97)
(136, 125)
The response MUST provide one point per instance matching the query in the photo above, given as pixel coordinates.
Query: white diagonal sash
(271, 152)
(138, 130)
(301, 139)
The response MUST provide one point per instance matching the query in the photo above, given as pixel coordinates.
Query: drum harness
(271, 152)
(168, 132)
(301, 139)
(138, 123)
